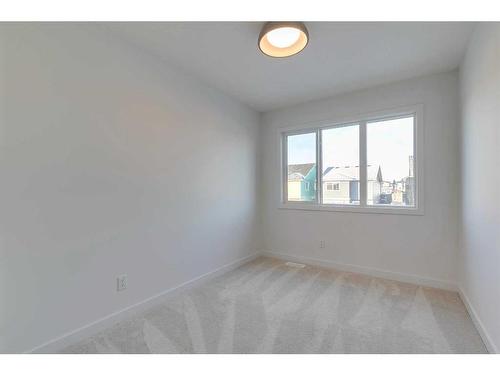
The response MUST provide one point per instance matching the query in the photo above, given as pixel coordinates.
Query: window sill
(356, 209)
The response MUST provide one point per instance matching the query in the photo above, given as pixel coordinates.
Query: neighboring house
(302, 182)
(401, 192)
(409, 189)
(409, 183)
(341, 184)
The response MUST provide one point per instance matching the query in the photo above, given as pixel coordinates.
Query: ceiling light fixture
(283, 39)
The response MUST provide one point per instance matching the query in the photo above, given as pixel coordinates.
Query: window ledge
(357, 209)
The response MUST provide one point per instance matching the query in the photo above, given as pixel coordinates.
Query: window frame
(361, 120)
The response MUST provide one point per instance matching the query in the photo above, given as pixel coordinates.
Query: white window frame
(362, 120)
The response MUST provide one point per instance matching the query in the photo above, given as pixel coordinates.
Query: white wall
(480, 239)
(111, 163)
(423, 246)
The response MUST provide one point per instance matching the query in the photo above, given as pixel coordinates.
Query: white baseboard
(90, 329)
(390, 275)
(488, 342)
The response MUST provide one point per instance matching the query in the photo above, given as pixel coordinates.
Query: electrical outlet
(322, 244)
(121, 283)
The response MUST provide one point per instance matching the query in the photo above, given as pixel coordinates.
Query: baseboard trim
(390, 275)
(488, 342)
(94, 327)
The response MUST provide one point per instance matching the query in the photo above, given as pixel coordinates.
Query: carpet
(266, 306)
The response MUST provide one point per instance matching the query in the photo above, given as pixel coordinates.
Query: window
(340, 164)
(301, 167)
(332, 186)
(390, 175)
(368, 165)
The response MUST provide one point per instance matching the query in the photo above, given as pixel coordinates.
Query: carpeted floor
(266, 306)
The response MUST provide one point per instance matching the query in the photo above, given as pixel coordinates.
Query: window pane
(301, 158)
(340, 151)
(390, 175)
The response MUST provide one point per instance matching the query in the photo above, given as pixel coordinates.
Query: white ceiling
(340, 57)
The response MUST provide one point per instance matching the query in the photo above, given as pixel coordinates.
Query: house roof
(298, 171)
(351, 173)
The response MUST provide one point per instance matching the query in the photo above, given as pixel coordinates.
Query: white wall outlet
(121, 283)
(322, 244)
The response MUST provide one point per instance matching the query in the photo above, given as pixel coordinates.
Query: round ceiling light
(283, 39)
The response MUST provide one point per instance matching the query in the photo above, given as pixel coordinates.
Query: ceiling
(340, 57)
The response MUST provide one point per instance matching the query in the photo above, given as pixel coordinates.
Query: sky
(389, 144)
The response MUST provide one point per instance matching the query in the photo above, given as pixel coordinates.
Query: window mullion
(284, 168)
(363, 186)
(319, 167)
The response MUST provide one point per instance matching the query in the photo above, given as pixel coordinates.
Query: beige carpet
(266, 306)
